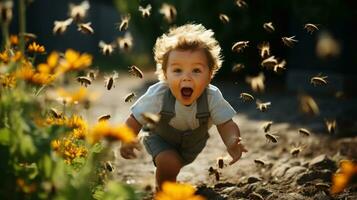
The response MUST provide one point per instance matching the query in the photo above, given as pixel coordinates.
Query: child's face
(187, 74)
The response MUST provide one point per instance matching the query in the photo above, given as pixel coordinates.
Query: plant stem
(22, 25)
(39, 90)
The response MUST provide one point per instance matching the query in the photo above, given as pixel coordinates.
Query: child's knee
(169, 162)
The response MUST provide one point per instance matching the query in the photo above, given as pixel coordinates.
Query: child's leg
(168, 165)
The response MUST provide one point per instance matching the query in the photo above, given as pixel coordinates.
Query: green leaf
(4, 136)
(27, 147)
(46, 165)
(96, 148)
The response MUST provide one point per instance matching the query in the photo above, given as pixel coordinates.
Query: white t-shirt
(185, 118)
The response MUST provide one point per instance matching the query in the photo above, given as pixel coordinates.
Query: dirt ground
(283, 176)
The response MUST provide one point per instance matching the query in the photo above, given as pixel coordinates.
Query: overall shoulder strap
(202, 108)
(168, 107)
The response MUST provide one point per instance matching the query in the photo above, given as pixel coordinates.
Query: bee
(92, 74)
(55, 113)
(145, 12)
(124, 24)
(308, 105)
(84, 80)
(79, 12)
(304, 132)
(135, 71)
(151, 120)
(279, 66)
(289, 41)
(61, 26)
(241, 3)
(129, 97)
(266, 126)
(109, 80)
(257, 82)
(215, 172)
(296, 150)
(269, 63)
(109, 166)
(271, 137)
(264, 49)
(28, 36)
(310, 28)
(259, 162)
(330, 125)
(125, 43)
(224, 18)
(262, 106)
(104, 118)
(255, 196)
(319, 80)
(322, 186)
(268, 26)
(246, 97)
(239, 46)
(169, 12)
(220, 162)
(106, 49)
(238, 67)
(85, 28)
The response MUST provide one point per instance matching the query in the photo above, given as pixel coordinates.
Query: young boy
(187, 59)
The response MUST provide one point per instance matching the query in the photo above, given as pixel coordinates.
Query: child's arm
(230, 135)
(127, 150)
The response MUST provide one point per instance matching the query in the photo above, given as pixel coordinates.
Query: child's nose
(187, 77)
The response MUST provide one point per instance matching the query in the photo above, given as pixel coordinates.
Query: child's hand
(127, 149)
(235, 151)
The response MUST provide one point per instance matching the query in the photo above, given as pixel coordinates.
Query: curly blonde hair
(187, 37)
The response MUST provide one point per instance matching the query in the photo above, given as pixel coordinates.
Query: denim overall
(187, 143)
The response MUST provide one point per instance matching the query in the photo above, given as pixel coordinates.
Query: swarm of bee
(110, 80)
(85, 28)
(124, 24)
(266, 126)
(135, 71)
(61, 26)
(84, 80)
(104, 117)
(256, 82)
(238, 67)
(106, 49)
(304, 132)
(264, 48)
(289, 41)
(262, 106)
(330, 125)
(246, 96)
(310, 28)
(145, 12)
(169, 12)
(271, 137)
(268, 26)
(240, 46)
(241, 3)
(319, 80)
(215, 172)
(151, 120)
(259, 162)
(224, 18)
(129, 97)
(55, 113)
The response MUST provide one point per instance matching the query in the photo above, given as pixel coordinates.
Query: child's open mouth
(186, 92)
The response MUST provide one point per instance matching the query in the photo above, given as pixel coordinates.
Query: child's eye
(196, 70)
(177, 70)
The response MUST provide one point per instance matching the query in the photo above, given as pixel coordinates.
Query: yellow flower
(113, 133)
(79, 133)
(341, 179)
(4, 57)
(75, 96)
(36, 48)
(75, 61)
(55, 144)
(14, 40)
(52, 62)
(42, 78)
(177, 191)
(8, 81)
(26, 71)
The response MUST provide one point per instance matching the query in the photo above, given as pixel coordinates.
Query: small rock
(323, 162)
(253, 179)
(228, 189)
(290, 173)
(280, 171)
(310, 175)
